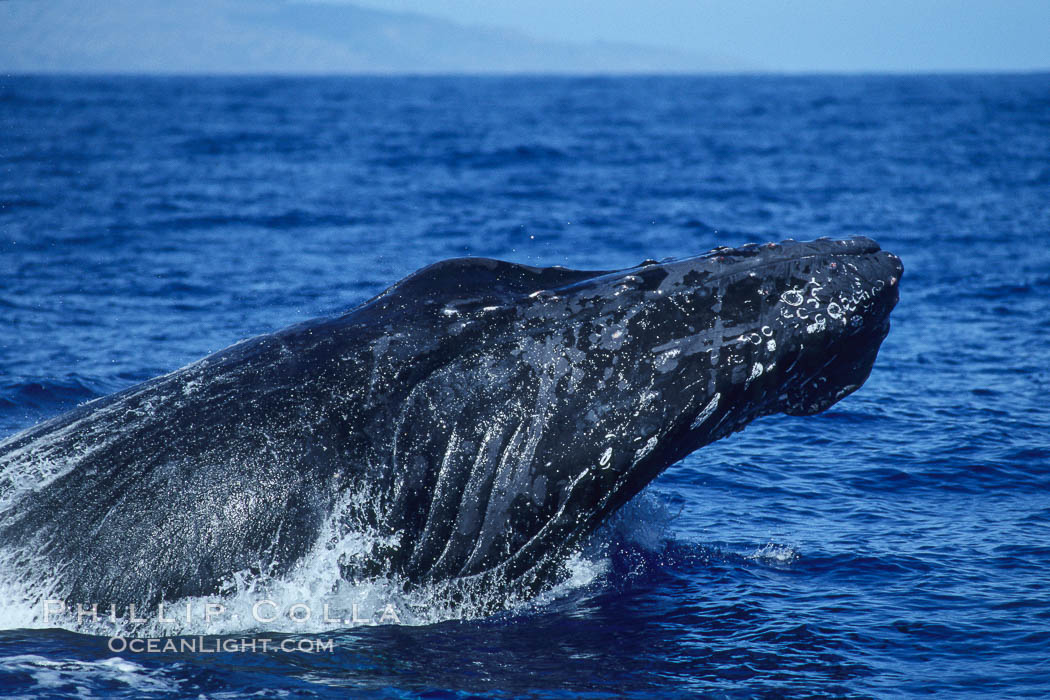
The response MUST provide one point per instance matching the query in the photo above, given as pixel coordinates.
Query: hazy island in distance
(295, 37)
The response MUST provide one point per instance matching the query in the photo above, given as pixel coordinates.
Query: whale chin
(846, 373)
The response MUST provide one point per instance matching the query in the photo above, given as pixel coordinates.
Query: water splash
(314, 597)
(775, 554)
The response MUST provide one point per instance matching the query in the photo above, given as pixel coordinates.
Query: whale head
(790, 327)
(544, 398)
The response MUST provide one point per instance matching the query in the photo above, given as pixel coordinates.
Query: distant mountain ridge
(281, 36)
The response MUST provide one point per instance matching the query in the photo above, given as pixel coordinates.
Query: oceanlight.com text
(205, 645)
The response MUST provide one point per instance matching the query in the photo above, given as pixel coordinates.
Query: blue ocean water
(897, 544)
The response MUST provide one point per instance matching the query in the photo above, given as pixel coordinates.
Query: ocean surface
(896, 545)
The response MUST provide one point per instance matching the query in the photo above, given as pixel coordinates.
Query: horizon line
(925, 72)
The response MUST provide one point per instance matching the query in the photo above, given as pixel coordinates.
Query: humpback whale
(485, 416)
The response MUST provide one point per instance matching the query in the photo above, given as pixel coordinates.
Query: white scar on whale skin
(756, 372)
(706, 413)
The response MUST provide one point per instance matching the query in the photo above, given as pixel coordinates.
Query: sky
(786, 35)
